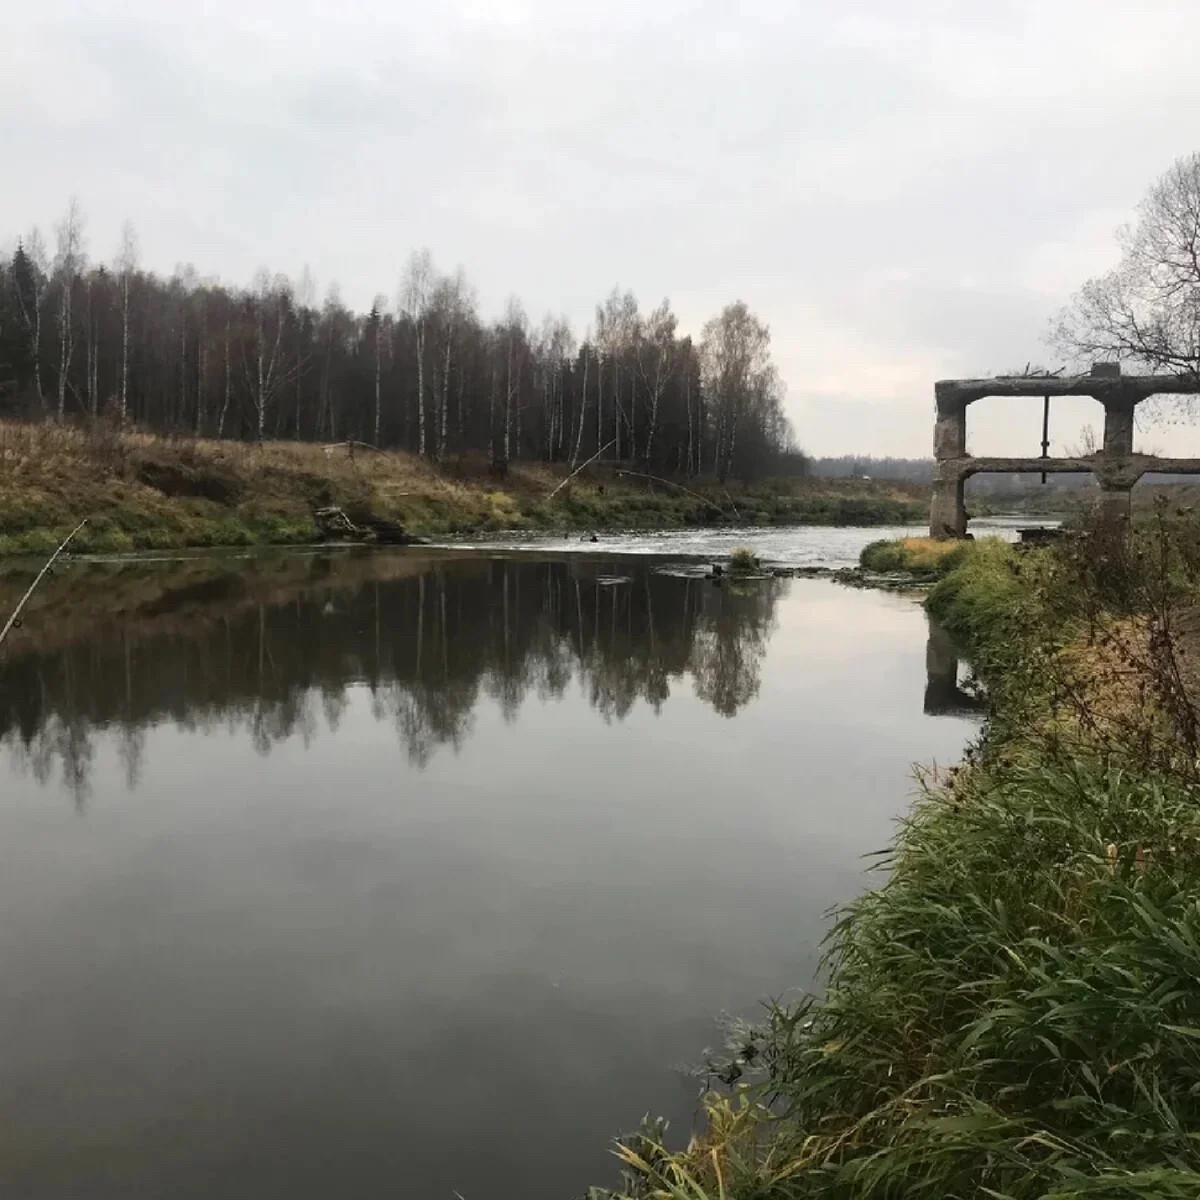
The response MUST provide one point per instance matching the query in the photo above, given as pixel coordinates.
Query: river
(421, 873)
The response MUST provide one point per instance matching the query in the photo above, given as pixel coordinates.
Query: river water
(421, 873)
(832, 546)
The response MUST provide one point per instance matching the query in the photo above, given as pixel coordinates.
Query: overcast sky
(903, 189)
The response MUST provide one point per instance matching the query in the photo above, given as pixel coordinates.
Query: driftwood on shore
(333, 523)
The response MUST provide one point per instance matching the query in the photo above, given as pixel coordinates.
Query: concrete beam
(1131, 465)
(952, 393)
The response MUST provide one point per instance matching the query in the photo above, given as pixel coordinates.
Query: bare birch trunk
(228, 386)
(421, 385)
(201, 371)
(616, 399)
(124, 345)
(378, 378)
(508, 395)
(632, 415)
(459, 415)
(180, 421)
(687, 403)
(37, 351)
(599, 400)
(64, 345)
(262, 407)
(582, 411)
(492, 418)
(91, 352)
(441, 436)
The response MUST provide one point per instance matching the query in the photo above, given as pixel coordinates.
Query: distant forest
(920, 470)
(425, 371)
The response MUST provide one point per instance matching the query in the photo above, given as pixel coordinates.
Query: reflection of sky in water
(318, 965)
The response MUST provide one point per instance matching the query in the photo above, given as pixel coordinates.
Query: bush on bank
(1015, 1012)
(920, 556)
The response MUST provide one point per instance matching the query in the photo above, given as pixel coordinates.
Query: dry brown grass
(141, 491)
(925, 553)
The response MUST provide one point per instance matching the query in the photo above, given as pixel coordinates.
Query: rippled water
(420, 873)
(801, 546)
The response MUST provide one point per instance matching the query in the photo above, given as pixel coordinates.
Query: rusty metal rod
(1045, 431)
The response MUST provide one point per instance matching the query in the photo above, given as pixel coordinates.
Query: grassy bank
(140, 492)
(920, 556)
(1015, 1012)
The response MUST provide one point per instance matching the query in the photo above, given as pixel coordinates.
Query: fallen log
(333, 523)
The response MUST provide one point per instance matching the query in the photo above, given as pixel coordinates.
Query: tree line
(425, 372)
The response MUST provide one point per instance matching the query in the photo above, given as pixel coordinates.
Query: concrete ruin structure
(1116, 467)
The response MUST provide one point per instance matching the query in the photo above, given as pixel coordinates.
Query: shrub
(1011, 1014)
(917, 555)
(1014, 1013)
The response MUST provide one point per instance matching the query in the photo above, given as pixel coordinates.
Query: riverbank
(921, 557)
(1016, 1011)
(141, 493)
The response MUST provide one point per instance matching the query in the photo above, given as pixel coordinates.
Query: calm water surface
(419, 873)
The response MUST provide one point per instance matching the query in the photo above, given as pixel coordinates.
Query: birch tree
(586, 354)
(68, 263)
(656, 351)
(514, 338)
(616, 325)
(735, 355)
(557, 348)
(452, 305)
(375, 323)
(126, 266)
(95, 284)
(336, 332)
(187, 352)
(30, 276)
(268, 372)
(415, 294)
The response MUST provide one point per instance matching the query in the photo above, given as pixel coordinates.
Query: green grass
(915, 555)
(984, 598)
(144, 492)
(1014, 1012)
(743, 561)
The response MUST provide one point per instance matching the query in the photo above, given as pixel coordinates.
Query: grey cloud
(881, 181)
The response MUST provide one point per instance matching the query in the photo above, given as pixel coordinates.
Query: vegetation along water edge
(140, 491)
(1014, 1012)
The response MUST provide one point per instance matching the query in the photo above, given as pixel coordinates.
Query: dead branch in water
(40, 575)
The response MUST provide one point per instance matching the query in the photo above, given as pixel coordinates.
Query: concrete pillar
(1114, 503)
(947, 512)
(950, 429)
(1118, 426)
(1113, 474)
(948, 509)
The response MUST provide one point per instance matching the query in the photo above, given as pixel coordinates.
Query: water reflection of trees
(427, 645)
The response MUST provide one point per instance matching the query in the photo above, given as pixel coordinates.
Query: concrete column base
(948, 509)
(1114, 504)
